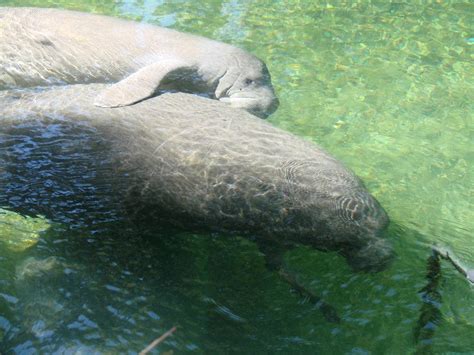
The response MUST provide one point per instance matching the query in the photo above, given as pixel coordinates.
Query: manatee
(41, 47)
(201, 164)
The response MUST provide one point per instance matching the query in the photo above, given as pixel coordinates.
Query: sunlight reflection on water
(386, 87)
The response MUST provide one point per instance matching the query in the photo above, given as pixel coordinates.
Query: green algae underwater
(386, 88)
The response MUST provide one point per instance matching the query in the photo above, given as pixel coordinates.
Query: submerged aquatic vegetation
(387, 88)
(18, 233)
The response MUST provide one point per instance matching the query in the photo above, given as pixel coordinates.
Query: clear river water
(385, 87)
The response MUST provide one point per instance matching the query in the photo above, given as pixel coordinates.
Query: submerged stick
(328, 311)
(157, 341)
(444, 254)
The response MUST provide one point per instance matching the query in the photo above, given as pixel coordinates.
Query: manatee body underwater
(202, 164)
(41, 47)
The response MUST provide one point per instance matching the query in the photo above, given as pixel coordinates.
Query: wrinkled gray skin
(40, 47)
(204, 164)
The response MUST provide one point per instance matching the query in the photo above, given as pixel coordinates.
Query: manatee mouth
(240, 101)
(256, 105)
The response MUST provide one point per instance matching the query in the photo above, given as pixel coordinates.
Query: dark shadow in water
(430, 312)
(56, 169)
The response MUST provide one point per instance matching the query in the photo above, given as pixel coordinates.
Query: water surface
(387, 88)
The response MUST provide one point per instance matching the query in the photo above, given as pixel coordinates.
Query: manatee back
(222, 161)
(201, 162)
(54, 47)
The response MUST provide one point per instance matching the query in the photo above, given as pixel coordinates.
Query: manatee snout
(265, 106)
(269, 107)
(259, 102)
(377, 255)
(251, 90)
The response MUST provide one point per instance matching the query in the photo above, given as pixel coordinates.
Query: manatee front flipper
(139, 85)
(274, 252)
(328, 311)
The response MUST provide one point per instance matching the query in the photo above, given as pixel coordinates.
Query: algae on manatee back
(18, 232)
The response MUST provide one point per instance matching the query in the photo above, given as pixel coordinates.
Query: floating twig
(157, 341)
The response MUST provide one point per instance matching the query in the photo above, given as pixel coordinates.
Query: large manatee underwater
(199, 163)
(41, 47)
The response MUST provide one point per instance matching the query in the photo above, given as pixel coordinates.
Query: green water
(389, 90)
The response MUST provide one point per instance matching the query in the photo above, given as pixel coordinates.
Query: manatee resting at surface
(199, 163)
(40, 47)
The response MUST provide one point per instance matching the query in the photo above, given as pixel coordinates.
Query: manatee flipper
(274, 252)
(328, 311)
(139, 85)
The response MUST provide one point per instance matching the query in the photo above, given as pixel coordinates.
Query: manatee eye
(249, 81)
